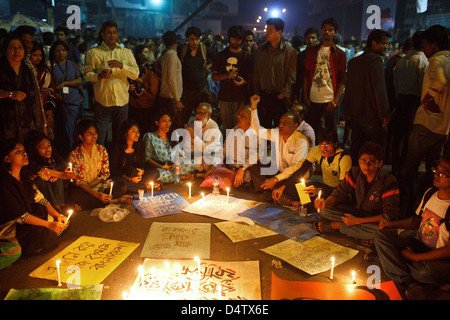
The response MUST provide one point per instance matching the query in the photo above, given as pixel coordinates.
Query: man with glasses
(414, 262)
(373, 195)
(366, 103)
(334, 163)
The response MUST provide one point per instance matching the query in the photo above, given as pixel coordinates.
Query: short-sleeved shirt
(431, 232)
(333, 168)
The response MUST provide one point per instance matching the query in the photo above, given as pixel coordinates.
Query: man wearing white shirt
(109, 66)
(290, 148)
(206, 138)
(171, 87)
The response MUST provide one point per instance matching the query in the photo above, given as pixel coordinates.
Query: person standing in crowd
(144, 90)
(233, 68)
(171, 90)
(108, 66)
(311, 38)
(366, 103)
(431, 123)
(73, 54)
(408, 79)
(196, 60)
(21, 109)
(68, 80)
(25, 211)
(324, 79)
(274, 74)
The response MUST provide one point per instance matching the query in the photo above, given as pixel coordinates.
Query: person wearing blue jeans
(373, 195)
(412, 261)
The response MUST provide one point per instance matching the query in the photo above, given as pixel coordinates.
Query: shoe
(372, 257)
(415, 292)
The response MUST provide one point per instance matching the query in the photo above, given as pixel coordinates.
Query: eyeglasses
(201, 113)
(440, 174)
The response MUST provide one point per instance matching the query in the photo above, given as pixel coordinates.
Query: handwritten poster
(282, 220)
(311, 256)
(86, 261)
(241, 232)
(285, 289)
(178, 240)
(93, 292)
(162, 203)
(221, 207)
(183, 279)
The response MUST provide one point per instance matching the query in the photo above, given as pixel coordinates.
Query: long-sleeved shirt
(409, 72)
(275, 68)
(289, 153)
(436, 83)
(171, 76)
(114, 91)
(381, 196)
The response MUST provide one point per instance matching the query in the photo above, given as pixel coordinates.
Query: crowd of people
(265, 113)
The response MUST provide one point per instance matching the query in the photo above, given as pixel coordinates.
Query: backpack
(427, 195)
(341, 155)
(202, 47)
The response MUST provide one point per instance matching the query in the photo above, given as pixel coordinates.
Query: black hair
(51, 54)
(293, 115)
(437, 34)
(376, 35)
(169, 38)
(123, 131)
(331, 21)
(417, 40)
(330, 136)
(63, 29)
(48, 38)
(6, 146)
(236, 31)
(311, 30)
(373, 149)
(42, 66)
(193, 30)
(21, 30)
(277, 23)
(8, 39)
(32, 139)
(81, 128)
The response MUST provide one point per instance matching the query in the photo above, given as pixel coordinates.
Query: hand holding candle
(68, 217)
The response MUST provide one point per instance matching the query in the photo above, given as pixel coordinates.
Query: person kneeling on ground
(412, 261)
(373, 195)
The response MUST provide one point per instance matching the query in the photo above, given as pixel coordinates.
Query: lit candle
(332, 268)
(228, 194)
(318, 197)
(125, 295)
(141, 273)
(68, 217)
(203, 194)
(198, 274)
(189, 185)
(110, 190)
(59, 274)
(70, 167)
(151, 183)
(353, 277)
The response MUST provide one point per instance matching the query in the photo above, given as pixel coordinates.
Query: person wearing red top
(324, 78)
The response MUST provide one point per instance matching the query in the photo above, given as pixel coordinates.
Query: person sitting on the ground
(207, 143)
(159, 152)
(91, 166)
(334, 164)
(48, 168)
(373, 195)
(127, 160)
(304, 127)
(290, 148)
(25, 211)
(413, 262)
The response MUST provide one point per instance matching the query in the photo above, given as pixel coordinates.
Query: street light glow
(275, 13)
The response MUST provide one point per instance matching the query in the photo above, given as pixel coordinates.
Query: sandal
(323, 226)
(189, 176)
(367, 242)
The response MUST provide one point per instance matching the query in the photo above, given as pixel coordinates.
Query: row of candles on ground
(141, 191)
(332, 272)
(162, 278)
